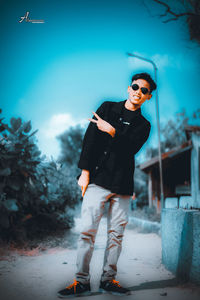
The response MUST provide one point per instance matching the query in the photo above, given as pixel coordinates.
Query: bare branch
(190, 10)
(168, 9)
(169, 20)
(176, 15)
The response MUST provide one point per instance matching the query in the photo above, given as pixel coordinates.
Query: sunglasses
(136, 87)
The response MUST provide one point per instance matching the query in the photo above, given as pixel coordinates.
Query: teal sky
(55, 74)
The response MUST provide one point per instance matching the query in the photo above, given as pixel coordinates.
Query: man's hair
(146, 77)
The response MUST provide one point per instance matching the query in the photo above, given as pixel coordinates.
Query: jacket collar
(118, 108)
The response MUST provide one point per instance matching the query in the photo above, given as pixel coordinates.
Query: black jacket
(111, 160)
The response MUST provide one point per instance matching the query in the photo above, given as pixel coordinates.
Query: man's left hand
(103, 125)
(134, 196)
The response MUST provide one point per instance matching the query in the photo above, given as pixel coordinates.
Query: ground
(40, 273)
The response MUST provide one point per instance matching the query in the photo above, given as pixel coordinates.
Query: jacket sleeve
(131, 139)
(89, 142)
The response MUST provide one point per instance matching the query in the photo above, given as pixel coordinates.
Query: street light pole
(158, 126)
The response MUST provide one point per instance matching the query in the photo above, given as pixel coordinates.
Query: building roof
(192, 128)
(189, 129)
(166, 155)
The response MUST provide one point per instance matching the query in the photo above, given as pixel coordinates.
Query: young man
(115, 134)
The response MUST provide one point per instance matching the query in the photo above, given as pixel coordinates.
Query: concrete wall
(181, 243)
(145, 225)
(184, 202)
(171, 202)
(195, 169)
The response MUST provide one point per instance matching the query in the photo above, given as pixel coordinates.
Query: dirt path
(40, 276)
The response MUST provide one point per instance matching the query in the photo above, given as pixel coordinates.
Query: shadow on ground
(156, 284)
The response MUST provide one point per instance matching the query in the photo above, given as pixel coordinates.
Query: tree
(173, 132)
(187, 8)
(36, 196)
(141, 187)
(71, 143)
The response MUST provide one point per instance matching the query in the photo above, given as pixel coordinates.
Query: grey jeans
(92, 210)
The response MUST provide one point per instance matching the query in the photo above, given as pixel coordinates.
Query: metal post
(158, 126)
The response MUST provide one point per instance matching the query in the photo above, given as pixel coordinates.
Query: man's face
(137, 97)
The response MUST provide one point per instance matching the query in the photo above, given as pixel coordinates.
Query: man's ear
(149, 96)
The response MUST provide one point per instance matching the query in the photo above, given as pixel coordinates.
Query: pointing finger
(96, 115)
(93, 121)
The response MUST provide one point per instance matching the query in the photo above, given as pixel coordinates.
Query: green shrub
(36, 196)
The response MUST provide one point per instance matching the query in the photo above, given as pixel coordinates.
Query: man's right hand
(84, 181)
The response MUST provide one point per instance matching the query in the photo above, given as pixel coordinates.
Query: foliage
(172, 135)
(173, 132)
(140, 187)
(147, 213)
(36, 196)
(71, 144)
(183, 8)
